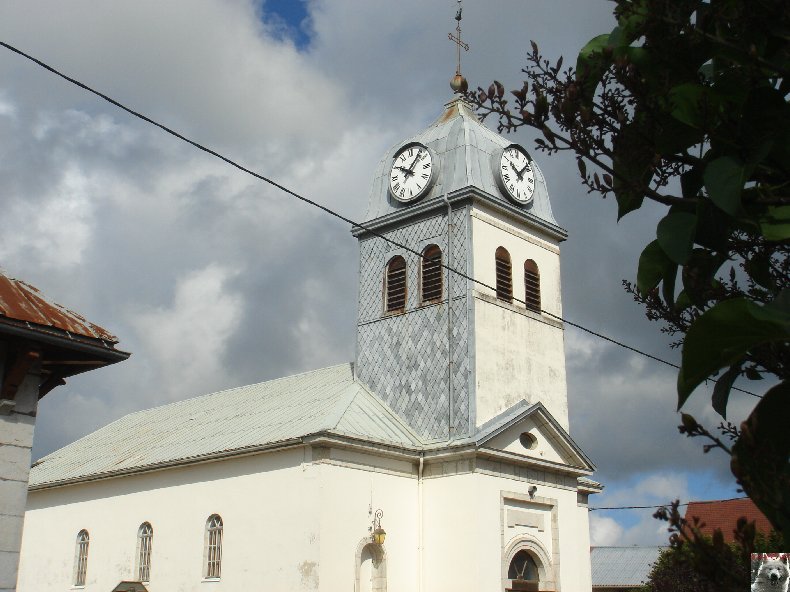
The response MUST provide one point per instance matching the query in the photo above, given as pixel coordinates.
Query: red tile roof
(724, 514)
(21, 302)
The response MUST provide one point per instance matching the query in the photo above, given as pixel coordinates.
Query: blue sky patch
(289, 16)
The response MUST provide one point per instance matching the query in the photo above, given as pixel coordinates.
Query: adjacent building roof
(724, 514)
(621, 567)
(235, 421)
(21, 302)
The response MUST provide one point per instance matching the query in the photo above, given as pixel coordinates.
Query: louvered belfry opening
(431, 274)
(395, 288)
(504, 275)
(532, 285)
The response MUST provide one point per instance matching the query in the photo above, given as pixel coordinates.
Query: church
(438, 460)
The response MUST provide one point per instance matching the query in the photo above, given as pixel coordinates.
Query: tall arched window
(81, 558)
(145, 538)
(523, 572)
(395, 285)
(532, 285)
(504, 275)
(431, 274)
(213, 553)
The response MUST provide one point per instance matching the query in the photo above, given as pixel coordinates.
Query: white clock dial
(411, 174)
(516, 174)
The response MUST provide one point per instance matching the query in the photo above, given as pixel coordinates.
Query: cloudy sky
(213, 279)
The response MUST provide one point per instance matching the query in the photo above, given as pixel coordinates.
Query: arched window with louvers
(532, 285)
(431, 275)
(395, 285)
(504, 275)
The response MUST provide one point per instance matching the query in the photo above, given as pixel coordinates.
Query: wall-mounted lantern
(379, 534)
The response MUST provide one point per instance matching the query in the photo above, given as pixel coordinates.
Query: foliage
(685, 103)
(695, 562)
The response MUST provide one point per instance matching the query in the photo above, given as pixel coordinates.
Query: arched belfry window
(395, 285)
(532, 285)
(145, 539)
(81, 558)
(504, 275)
(213, 563)
(431, 274)
(523, 572)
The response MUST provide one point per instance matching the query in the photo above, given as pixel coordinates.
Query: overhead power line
(324, 208)
(732, 499)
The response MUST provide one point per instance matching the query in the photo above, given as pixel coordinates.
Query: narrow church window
(523, 572)
(431, 274)
(532, 285)
(145, 538)
(504, 275)
(395, 289)
(213, 547)
(81, 558)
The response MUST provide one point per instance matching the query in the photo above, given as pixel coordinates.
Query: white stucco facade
(518, 353)
(297, 519)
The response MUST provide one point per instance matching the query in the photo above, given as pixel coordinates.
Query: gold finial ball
(459, 84)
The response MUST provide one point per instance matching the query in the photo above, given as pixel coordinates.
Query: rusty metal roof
(19, 301)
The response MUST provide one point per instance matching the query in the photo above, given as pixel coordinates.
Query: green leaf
(693, 104)
(699, 275)
(675, 234)
(724, 334)
(721, 392)
(775, 223)
(724, 179)
(654, 266)
(591, 64)
(760, 455)
(683, 301)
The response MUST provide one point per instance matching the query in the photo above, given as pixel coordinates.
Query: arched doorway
(522, 573)
(371, 567)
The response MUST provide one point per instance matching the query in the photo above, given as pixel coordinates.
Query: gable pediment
(531, 432)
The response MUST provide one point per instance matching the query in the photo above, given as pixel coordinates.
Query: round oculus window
(528, 441)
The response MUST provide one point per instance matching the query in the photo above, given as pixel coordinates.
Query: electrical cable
(324, 208)
(665, 505)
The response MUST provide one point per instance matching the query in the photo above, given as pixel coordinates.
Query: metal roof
(622, 566)
(465, 149)
(229, 422)
(19, 301)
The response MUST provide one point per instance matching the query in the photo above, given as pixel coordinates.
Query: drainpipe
(420, 575)
(450, 431)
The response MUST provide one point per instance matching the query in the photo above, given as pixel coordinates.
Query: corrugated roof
(232, 421)
(622, 566)
(724, 514)
(19, 301)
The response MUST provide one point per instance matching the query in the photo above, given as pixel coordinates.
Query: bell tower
(445, 352)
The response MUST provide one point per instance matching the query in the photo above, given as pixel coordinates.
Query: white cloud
(605, 531)
(188, 339)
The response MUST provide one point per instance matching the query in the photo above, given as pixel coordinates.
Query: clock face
(516, 174)
(411, 174)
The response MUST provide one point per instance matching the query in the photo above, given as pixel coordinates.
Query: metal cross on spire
(458, 83)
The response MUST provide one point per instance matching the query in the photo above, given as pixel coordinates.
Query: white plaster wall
(346, 496)
(268, 503)
(465, 535)
(518, 354)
